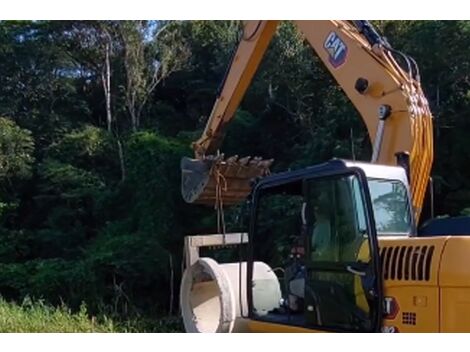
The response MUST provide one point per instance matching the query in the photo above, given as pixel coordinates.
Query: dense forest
(95, 116)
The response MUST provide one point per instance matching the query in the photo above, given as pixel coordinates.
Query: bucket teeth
(201, 178)
(266, 164)
(244, 161)
(232, 159)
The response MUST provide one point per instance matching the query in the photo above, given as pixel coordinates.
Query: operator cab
(317, 229)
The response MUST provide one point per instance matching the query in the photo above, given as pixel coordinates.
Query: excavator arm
(383, 84)
(209, 179)
(255, 39)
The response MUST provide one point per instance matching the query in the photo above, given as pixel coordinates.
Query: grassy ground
(38, 317)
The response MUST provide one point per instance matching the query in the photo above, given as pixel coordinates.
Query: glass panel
(339, 267)
(337, 219)
(391, 206)
(278, 281)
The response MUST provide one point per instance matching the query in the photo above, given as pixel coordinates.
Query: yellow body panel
(455, 309)
(261, 326)
(454, 271)
(454, 283)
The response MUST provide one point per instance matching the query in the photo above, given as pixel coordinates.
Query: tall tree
(147, 61)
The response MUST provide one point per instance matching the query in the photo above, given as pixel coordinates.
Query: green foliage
(36, 316)
(82, 146)
(67, 181)
(153, 177)
(16, 150)
(16, 163)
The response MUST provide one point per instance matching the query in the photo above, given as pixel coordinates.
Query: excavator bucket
(217, 180)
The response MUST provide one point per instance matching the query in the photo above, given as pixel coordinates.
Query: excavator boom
(381, 82)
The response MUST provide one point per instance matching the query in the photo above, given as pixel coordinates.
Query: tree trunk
(107, 88)
(172, 279)
(133, 119)
(121, 160)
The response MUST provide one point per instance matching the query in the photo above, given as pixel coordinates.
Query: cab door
(332, 283)
(343, 289)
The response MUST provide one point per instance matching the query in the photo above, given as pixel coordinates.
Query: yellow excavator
(335, 246)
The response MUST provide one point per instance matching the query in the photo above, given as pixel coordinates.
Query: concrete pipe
(210, 295)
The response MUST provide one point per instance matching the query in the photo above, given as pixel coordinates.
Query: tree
(16, 151)
(147, 61)
(16, 162)
(90, 45)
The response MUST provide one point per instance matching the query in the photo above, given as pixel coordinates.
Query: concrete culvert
(210, 297)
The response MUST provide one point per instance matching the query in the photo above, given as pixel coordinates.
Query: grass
(38, 317)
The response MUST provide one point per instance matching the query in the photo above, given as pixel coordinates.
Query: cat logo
(336, 49)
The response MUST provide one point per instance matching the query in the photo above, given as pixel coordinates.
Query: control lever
(354, 271)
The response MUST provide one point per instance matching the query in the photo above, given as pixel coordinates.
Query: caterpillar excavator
(335, 246)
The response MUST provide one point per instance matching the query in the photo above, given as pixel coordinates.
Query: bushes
(115, 245)
(38, 317)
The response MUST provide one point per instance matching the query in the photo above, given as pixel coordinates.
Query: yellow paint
(455, 309)
(260, 326)
(455, 271)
